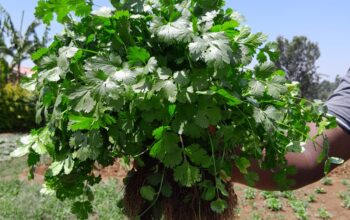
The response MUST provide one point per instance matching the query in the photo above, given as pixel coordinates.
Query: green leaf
(218, 206)
(233, 101)
(169, 88)
(267, 117)
(273, 113)
(46, 9)
(176, 31)
(80, 123)
(261, 57)
(265, 70)
(68, 165)
(39, 54)
(327, 167)
(121, 14)
(137, 55)
(148, 192)
(324, 153)
(30, 85)
(209, 193)
(167, 190)
(171, 110)
(336, 160)
(20, 151)
(207, 115)
(187, 175)
(84, 101)
(52, 75)
(166, 149)
(158, 133)
(201, 120)
(276, 86)
(82, 209)
(104, 64)
(221, 186)
(39, 141)
(242, 164)
(198, 156)
(56, 167)
(210, 5)
(229, 27)
(87, 145)
(181, 77)
(213, 48)
(256, 88)
(33, 158)
(68, 52)
(251, 178)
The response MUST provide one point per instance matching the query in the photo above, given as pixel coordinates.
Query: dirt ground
(329, 200)
(247, 209)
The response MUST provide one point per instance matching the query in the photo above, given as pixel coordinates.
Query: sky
(321, 21)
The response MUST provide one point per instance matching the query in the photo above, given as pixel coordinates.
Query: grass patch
(22, 200)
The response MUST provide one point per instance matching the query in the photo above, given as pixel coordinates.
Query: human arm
(307, 167)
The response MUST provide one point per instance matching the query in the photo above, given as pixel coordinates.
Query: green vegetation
(17, 45)
(274, 204)
(345, 197)
(249, 193)
(320, 190)
(288, 195)
(345, 182)
(327, 181)
(323, 213)
(165, 84)
(17, 108)
(299, 207)
(311, 198)
(22, 200)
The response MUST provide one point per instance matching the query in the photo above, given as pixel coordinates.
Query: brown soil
(246, 208)
(330, 200)
(116, 171)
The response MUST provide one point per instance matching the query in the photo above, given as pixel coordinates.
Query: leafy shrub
(167, 85)
(327, 181)
(345, 197)
(249, 193)
(345, 182)
(17, 108)
(270, 194)
(299, 207)
(322, 213)
(311, 198)
(288, 195)
(320, 190)
(274, 204)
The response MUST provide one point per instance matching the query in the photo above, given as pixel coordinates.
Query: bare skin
(308, 170)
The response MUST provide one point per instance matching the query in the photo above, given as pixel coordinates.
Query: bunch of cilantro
(146, 79)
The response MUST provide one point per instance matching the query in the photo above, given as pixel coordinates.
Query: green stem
(183, 147)
(89, 51)
(155, 200)
(214, 163)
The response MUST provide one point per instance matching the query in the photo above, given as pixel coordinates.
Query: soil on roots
(184, 203)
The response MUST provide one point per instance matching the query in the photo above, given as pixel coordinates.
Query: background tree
(325, 88)
(15, 46)
(3, 63)
(3, 71)
(298, 59)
